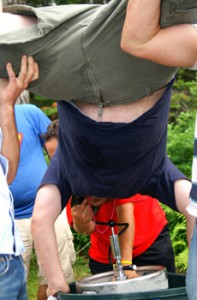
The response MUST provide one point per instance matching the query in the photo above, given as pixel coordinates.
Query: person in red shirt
(150, 243)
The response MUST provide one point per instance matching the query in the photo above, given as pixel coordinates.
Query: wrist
(78, 228)
(58, 284)
(6, 114)
(85, 228)
(126, 262)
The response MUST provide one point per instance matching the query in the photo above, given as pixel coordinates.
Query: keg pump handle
(114, 241)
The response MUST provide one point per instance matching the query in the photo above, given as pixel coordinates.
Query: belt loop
(4, 257)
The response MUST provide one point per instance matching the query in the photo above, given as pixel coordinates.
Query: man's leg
(182, 189)
(42, 292)
(24, 227)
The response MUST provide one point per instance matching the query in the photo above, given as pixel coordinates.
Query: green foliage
(48, 106)
(184, 95)
(180, 147)
(81, 267)
(181, 260)
(177, 226)
(180, 141)
(33, 281)
(51, 112)
(41, 101)
(81, 242)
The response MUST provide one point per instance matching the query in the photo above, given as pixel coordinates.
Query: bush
(180, 150)
(180, 142)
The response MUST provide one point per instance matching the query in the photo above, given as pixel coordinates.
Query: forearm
(83, 218)
(46, 210)
(141, 23)
(10, 145)
(46, 249)
(125, 215)
(126, 243)
(142, 36)
(9, 91)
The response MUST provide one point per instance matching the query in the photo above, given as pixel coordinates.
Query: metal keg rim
(84, 283)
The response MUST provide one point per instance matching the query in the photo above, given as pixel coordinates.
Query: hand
(83, 212)
(12, 87)
(52, 291)
(131, 274)
(82, 217)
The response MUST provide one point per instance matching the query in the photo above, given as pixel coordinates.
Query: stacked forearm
(10, 145)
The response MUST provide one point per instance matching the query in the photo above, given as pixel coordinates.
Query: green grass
(33, 279)
(80, 268)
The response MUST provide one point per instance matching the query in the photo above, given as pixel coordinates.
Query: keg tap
(114, 241)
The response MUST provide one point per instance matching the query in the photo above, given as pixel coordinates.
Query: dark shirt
(105, 159)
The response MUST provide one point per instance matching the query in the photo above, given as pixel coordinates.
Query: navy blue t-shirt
(106, 159)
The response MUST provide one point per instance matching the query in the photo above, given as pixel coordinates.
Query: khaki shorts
(65, 246)
(79, 52)
(178, 12)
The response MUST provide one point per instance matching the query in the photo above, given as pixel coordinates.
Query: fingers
(23, 70)
(10, 89)
(10, 71)
(82, 212)
(29, 70)
(79, 208)
(131, 274)
(36, 73)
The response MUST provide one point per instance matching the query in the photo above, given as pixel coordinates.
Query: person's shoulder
(26, 107)
(31, 112)
(30, 108)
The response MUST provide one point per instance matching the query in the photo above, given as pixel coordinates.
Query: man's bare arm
(46, 210)
(125, 214)
(83, 218)
(9, 91)
(143, 37)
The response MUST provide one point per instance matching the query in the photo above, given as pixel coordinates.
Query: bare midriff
(125, 113)
(117, 113)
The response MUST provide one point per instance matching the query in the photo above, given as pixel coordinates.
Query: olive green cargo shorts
(78, 51)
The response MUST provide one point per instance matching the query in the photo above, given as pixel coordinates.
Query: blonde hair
(24, 97)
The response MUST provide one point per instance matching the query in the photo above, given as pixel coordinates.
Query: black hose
(112, 223)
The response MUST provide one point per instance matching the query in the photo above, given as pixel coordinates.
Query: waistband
(6, 257)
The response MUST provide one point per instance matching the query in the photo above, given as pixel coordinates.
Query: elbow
(131, 48)
(10, 176)
(36, 225)
(125, 45)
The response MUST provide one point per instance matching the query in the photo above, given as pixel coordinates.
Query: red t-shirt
(150, 219)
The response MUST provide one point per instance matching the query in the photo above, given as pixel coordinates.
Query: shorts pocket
(175, 12)
(4, 265)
